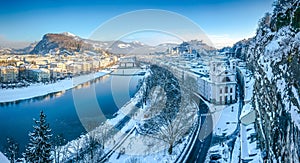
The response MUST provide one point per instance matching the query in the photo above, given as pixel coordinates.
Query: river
(16, 118)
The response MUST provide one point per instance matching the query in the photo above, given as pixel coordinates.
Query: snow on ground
(144, 148)
(124, 45)
(3, 159)
(245, 148)
(80, 143)
(220, 150)
(248, 114)
(246, 109)
(226, 120)
(249, 87)
(74, 146)
(40, 89)
(249, 150)
(236, 151)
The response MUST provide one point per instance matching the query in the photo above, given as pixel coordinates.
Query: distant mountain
(121, 47)
(55, 43)
(68, 43)
(12, 44)
(200, 45)
(26, 50)
(194, 46)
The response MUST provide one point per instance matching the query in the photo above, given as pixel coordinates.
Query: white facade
(8, 74)
(205, 87)
(39, 75)
(223, 78)
(215, 78)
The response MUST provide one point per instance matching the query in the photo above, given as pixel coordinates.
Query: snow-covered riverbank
(73, 148)
(40, 89)
(3, 159)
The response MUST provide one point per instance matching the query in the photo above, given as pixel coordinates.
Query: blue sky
(224, 21)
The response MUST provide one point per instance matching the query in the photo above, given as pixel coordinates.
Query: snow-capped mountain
(68, 43)
(69, 34)
(273, 55)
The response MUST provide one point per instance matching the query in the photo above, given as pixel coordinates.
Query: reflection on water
(16, 118)
(50, 96)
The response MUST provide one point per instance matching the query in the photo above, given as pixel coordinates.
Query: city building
(74, 68)
(9, 74)
(214, 77)
(223, 79)
(86, 67)
(39, 75)
(127, 62)
(58, 65)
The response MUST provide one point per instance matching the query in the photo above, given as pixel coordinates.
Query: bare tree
(103, 134)
(171, 130)
(93, 143)
(58, 142)
(172, 116)
(76, 145)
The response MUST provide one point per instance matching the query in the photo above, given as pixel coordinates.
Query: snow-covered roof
(248, 114)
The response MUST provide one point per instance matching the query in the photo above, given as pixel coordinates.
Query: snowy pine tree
(39, 147)
(12, 150)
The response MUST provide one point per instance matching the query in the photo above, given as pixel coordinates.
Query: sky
(223, 21)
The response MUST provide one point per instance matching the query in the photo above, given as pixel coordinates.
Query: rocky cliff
(273, 56)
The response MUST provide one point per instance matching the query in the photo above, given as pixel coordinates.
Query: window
(231, 99)
(221, 91)
(220, 99)
(226, 79)
(230, 90)
(226, 89)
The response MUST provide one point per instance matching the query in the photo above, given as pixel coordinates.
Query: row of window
(227, 101)
(226, 90)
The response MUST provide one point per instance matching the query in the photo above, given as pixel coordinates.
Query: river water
(16, 118)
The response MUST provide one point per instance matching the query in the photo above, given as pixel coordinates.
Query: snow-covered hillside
(273, 56)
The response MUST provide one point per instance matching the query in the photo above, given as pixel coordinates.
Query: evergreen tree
(12, 150)
(39, 147)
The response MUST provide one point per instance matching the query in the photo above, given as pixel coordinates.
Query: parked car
(215, 156)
